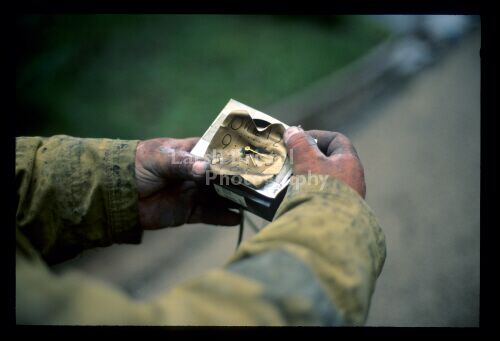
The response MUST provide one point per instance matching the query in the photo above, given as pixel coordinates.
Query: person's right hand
(333, 155)
(171, 189)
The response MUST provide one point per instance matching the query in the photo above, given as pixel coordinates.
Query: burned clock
(248, 160)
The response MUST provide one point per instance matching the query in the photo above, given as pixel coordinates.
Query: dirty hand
(333, 155)
(171, 187)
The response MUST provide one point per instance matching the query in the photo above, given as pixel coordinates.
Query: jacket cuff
(302, 186)
(121, 192)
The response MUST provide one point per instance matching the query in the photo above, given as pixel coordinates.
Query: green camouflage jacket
(315, 264)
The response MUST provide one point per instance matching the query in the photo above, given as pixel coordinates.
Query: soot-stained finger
(331, 143)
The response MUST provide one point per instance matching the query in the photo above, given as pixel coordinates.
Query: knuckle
(298, 141)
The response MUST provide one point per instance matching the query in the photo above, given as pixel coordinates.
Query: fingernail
(290, 132)
(200, 167)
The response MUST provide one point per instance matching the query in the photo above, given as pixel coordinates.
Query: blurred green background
(143, 76)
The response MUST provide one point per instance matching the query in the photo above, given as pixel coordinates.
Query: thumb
(301, 147)
(180, 164)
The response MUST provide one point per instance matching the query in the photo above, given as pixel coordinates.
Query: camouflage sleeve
(73, 194)
(316, 264)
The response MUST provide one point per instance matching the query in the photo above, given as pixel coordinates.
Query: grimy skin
(170, 179)
(332, 155)
(171, 189)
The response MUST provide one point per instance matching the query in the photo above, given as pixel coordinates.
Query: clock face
(242, 148)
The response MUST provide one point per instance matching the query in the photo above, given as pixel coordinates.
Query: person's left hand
(171, 187)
